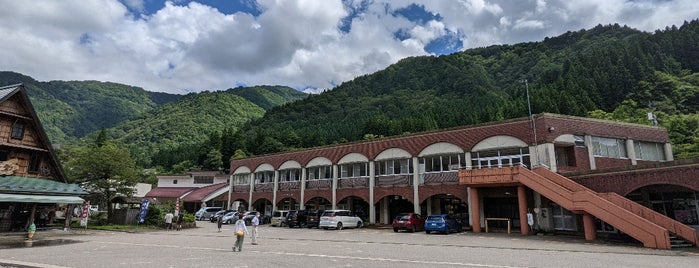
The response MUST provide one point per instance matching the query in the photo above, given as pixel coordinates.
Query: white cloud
(194, 47)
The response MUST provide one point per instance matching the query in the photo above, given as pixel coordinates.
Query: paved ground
(284, 247)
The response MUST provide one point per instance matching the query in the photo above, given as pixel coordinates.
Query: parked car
(247, 217)
(278, 217)
(410, 222)
(296, 218)
(313, 218)
(230, 217)
(206, 213)
(220, 212)
(442, 223)
(339, 219)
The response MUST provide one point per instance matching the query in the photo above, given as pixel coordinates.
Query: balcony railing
(241, 188)
(393, 180)
(291, 185)
(353, 183)
(264, 187)
(319, 184)
(449, 177)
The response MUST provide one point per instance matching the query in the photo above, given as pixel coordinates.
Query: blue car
(442, 223)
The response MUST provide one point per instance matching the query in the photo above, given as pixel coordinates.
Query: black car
(264, 219)
(313, 217)
(296, 218)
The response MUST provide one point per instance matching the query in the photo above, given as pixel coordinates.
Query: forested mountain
(189, 129)
(611, 71)
(72, 109)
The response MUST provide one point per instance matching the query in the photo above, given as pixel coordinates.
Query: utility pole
(531, 118)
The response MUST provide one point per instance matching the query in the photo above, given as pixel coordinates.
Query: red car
(410, 222)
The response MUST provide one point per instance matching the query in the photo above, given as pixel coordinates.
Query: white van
(206, 213)
(278, 218)
(339, 219)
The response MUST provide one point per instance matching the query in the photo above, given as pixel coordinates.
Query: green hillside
(589, 72)
(268, 96)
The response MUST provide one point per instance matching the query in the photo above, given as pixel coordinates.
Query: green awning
(26, 198)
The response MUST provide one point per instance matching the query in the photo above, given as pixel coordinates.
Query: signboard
(85, 214)
(144, 211)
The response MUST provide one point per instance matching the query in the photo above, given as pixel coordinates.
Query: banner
(177, 207)
(85, 214)
(144, 211)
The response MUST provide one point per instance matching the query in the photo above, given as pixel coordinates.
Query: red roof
(169, 192)
(200, 193)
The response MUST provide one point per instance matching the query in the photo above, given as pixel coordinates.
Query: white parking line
(328, 256)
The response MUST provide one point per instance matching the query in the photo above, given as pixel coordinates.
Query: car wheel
(325, 228)
(339, 225)
(395, 230)
(360, 224)
(427, 232)
(412, 230)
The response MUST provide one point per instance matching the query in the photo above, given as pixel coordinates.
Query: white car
(339, 219)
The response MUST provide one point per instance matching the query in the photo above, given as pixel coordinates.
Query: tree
(106, 171)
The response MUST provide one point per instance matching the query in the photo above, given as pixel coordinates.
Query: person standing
(219, 221)
(239, 230)
(168, 220)
(180, 219)
(255, 222)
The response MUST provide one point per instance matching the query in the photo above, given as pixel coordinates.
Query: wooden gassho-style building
(32, 182)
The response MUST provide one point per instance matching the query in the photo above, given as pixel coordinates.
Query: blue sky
(183, 46)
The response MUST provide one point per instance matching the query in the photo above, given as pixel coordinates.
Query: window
(609, 147)
(442, 163)
(174, 181)
(563, 219)
(320, 173)
(506, 157)
(290, 174)
(241, 179)
(264, 177)
(203, 179)
(579, 140)
(3, 155)
(565, 156)
(354, 170)
(18, 130)
(34, 162)
(394, 167)
(651, 151)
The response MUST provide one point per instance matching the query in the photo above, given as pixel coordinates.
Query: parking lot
(300, 247)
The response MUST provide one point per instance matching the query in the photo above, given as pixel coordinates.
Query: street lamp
(531, 118)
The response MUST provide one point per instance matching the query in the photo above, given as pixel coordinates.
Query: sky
(184, 46)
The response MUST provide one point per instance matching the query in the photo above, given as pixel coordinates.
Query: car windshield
(403, 217)
(329, 213)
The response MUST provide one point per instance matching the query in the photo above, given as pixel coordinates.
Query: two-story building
(194, 190)
(550, 166)
(32, 183)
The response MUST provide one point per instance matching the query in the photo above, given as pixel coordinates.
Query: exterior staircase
(645, 225)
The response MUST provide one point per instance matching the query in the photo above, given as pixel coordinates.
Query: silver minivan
(206, 213)
(278, 218)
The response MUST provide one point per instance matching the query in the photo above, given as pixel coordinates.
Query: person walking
(240, 230)
(255, 222)
(168, 220)
(219, 221)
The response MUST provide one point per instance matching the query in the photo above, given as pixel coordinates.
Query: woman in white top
(240, 230)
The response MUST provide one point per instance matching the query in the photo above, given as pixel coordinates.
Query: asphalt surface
(284, 247)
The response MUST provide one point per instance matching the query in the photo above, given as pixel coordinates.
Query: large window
(505, 157)
(609, 147)
(203, 179)
(320, 173)
(241, 179)
(293, 174)
(394, 167)
(650, 151)
(354, 170)
(264, 177)
(442, 163)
